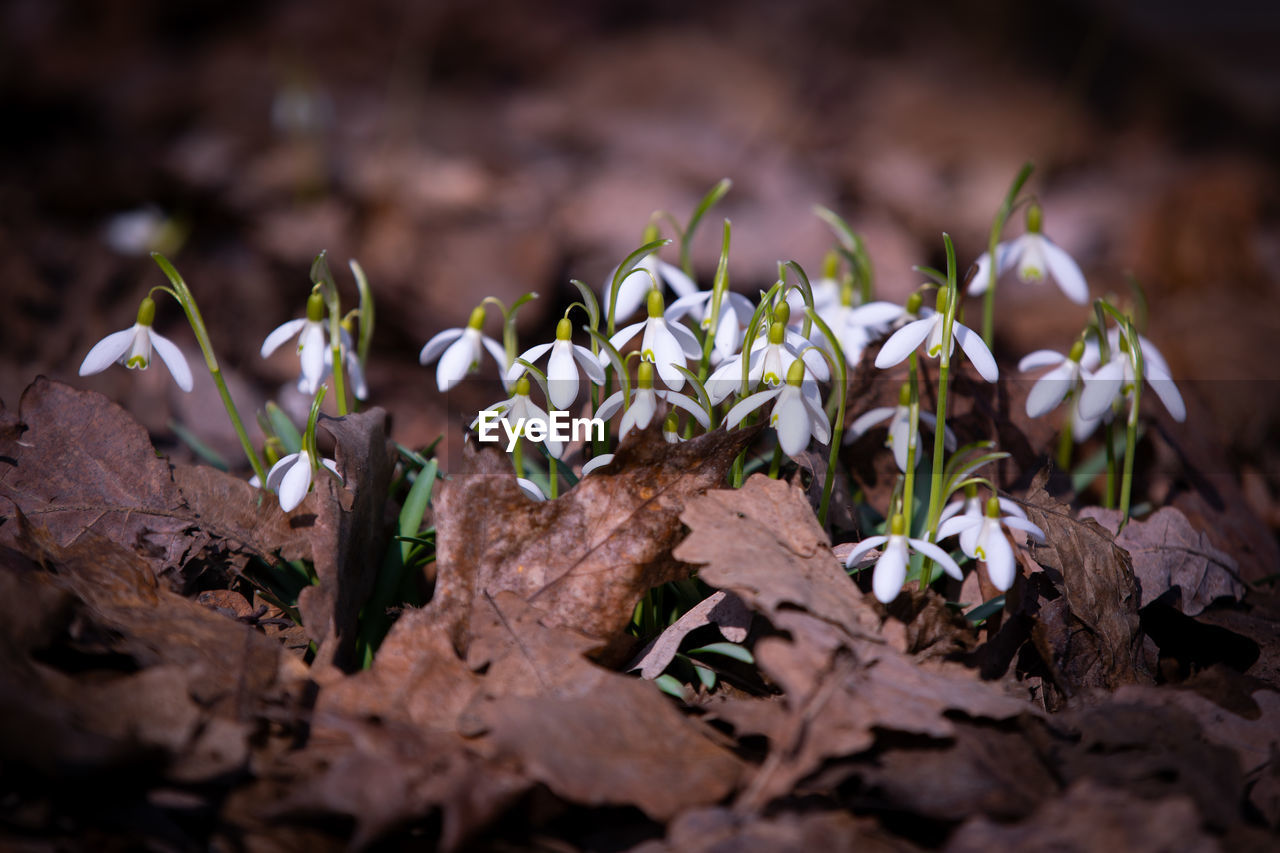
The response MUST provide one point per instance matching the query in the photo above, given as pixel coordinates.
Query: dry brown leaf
(725, 831)
(584, 559)
(1167, 552)
(1098, 643)
(721, 609)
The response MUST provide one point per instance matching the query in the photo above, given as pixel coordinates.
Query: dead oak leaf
(584, 559)
(1167, 552)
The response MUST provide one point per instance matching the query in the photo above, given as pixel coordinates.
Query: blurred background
(460, 149)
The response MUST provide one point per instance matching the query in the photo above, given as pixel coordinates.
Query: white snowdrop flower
(633, 289)
(663, 344)
(770, 360)
(562, 373)
(891, 569)
(290, 478)
(1036, 258)
(309, 331)
(899, 418)
(797, 413)
(928, 330)
(520, 408)
(1115, 379)
(982, 539)
(132, 348)
(644, 404)
(459, 351)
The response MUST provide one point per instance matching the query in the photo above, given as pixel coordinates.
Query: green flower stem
(1109, 495)
(775, 464)
(913, 431)
(553, 474)
(1002, 216)
(517, 457)
(183, 294)
(944, 370)
(1131, 431)
(1065, 438)
(339, 369)
(837, 425)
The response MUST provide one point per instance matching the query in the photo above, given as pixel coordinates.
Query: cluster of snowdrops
(657, 347)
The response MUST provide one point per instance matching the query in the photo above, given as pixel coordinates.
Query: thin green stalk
(1131, 433)
(944, 370)
(1066, 441)
(837, 361)
(553, 474)
(517, 457)
(1109, 496)
(1002, 216)
(913, 432)
(187, 300)
(775, 464)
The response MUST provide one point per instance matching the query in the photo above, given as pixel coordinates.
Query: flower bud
(315, 307)
(477, 318)
(1035, 218)
(1077, 351)
(522, 385)
(644, 375)
(795, 373)
(993, 507)
(782, 313)
(777, 333)
(913, 303)
(146, 311)
(564, 329)
(898, 526)
(655, 303)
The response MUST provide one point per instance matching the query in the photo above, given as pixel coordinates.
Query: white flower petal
(868, 419)
(278, 470)
(1162, 384)
(957, 524)
(981, 276)
(107, 352)
(666, 352)
(747, 405)
(497, 352)
(1100, 389)
(280, 334)
(904, 342)
(530, 489)
(296, 483)
(725, 380)
(974, 347)
(689, 405)
(890, 571)
(1040, 358)
(685, 304)
(434, 347)
(875, 314)
(1066, 272)
(819, 426)
(631, 293)
(1001, 567)
(1013, 522)
(311, 353)
(1049, 390)
(531, 355)
(610, 406)
(562, 376)
(863, 547)
(620, 339)
(676, 279)
(688, 342)
(454, 364)
(791, 421)
(596, 463)
(174, 360)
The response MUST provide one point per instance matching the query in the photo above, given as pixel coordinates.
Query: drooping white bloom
(309, 331)
(891, 569)
(928, 330)
(663, 344)
(899, 418)
(770, 360)
(132, 348)
(797, 414)
(518, 410)
(982, 539)
(650, 271)
(1068, 376)
(290, 478)
(855, 327)
(644, 404)
(1036, 258)
(1115, 379)
(459, 351)
(562, 373)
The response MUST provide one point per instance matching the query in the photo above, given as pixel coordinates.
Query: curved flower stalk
(649, 272)
(562, 374)
(1115, 379)
(351, 361)
(644, 403)
(770, 361)
(928, 330)
(797, 414)
(891, 569)
(734, 316)
(1036, 258)
(899, 418)
(982, 539)
(132, 348)
(459, 351)
(309, 331)
(663, 344)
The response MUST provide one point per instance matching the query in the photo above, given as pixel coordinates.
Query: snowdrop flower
(797, 413)
(290, 478)
(132, 348)
(663, 344)
(855, 327)
(644, 403)
(459, 351)
(309, 331)
(1115, 379)
(891, 569)
(562, 375)
(899, 418)
(1036, 257)
(928, 330)
(982, 539)
(735, 312)
(1068, 375)
(521, 407)
(650, 271)
(771, 359)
